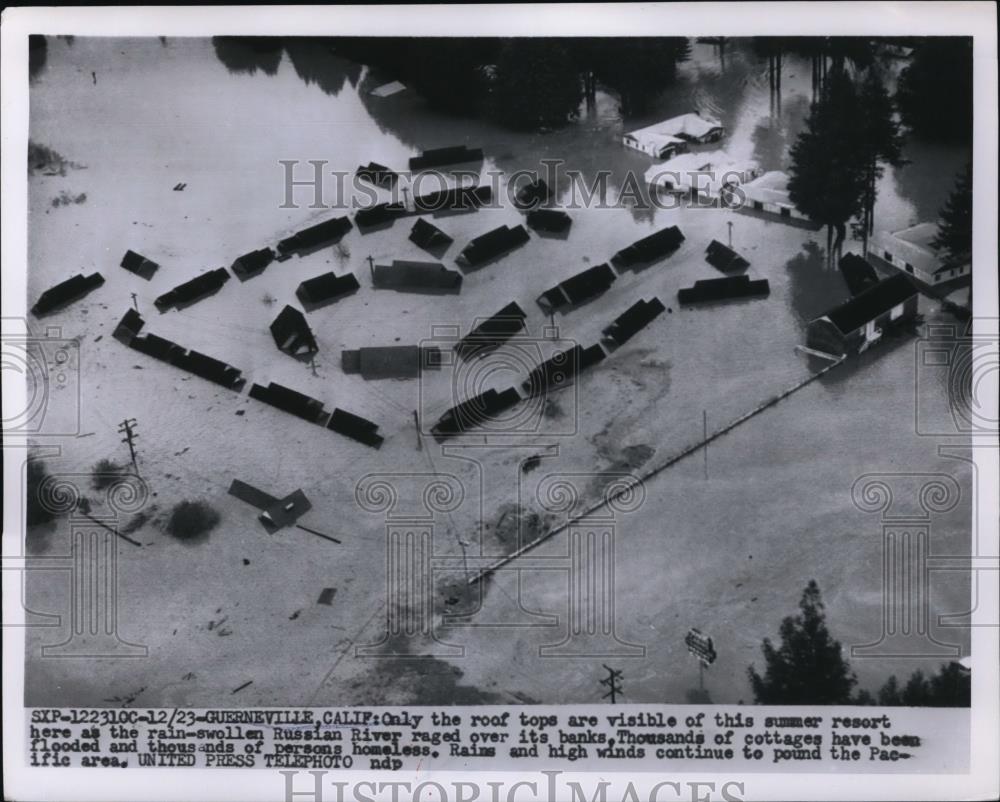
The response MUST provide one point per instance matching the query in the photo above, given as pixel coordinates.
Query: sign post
(701, 646)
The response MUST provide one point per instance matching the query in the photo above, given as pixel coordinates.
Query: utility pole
(127, 427)
(371, 266)
(416, 425)
(135, 302)
(730, 224)
(612, 681)
(406, 197)
(313, 365)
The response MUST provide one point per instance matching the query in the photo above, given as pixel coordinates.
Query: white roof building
(911, 251)
(769, 193)
(707, 173)
(669, 138)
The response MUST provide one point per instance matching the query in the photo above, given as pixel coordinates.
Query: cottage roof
(772, 187)
(871, 303)
(912, 245)
(691, 126)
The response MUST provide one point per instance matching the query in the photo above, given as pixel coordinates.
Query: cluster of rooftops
(293, 336)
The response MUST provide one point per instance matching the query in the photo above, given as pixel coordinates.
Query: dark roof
(355, 427)
(492, 332)
(474, 412)
(194, 290)
(156, 347)
(633, 320)
(290, 401)
(871, 303)
(857, 273)
(379, 214)
(291, 332)
(384, 362)
(130, 325)
(718, 289)
(328, 232)
(456, 199)
(555, 371)
(428, 236)
(416, 277)
(724, 258)
(650, 248)
(438, 157)
(494, 243)
(326, 288)
(251, 495)
(286, 511)
(251, 264)
(533, 193)
(552, 220)
(72, 289)
(377, 174)
(206, 367)
(583, 286)
(139, 264)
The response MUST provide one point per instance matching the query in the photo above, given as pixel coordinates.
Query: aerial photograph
(498, 371)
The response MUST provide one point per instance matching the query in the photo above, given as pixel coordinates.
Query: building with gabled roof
(292, 334)
(669, 138)
(911, 250)
(65, 293)
(137, 263)
(430, 278)
(859, 323)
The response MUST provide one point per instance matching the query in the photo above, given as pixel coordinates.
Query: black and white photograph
(477, 369)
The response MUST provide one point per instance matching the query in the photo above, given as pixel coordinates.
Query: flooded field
(724, 541)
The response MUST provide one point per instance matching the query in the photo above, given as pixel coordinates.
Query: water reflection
(814, 288)
(316, 63)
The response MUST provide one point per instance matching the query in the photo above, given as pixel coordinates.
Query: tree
(879, 141)
(827, 172)
(536, 85)
(808, 667)
(935, 89)
(635, 69)
(951, 686)
(954, 235)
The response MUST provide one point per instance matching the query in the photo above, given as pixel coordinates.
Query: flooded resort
(540, 355)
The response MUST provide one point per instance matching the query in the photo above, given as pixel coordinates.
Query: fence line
(654, 471)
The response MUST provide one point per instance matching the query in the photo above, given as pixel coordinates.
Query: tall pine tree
(808, 667)
(827, 172)
(954, 237)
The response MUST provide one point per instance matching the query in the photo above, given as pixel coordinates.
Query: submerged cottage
(329, 232)
(440, 157)
(768, 195)
(493, 332)
(390, 361)
(429, 278)
(670, 138)
(649, 249)
(137, 263)
(474, 412)
(492, 245)
(252, 264)
(326, 289)
(577, 289)
(856, 325)
(857, 273)
(632, 321)
(911, 250)
(65, 293)
(429, 237)
(194, 290)
(292, 334)
(722, 289)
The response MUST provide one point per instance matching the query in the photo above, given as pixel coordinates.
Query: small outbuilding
(429, 237)
(724, 289)
(649, 249)
(292, 334)
(550, 221)
(724, 258)
(427, 278)
(252, 264)
(355, 427)
(326, 289)
(139, 264)
(378, 174)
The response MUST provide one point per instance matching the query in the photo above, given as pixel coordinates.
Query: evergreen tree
(536, 84)
(827, 172)
(808, 667)
(950, 687)
(635, 69)
(888, 694)
(935, 90)
(878, 141)
(954, 235)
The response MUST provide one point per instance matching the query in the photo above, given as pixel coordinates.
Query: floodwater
(144, 115)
